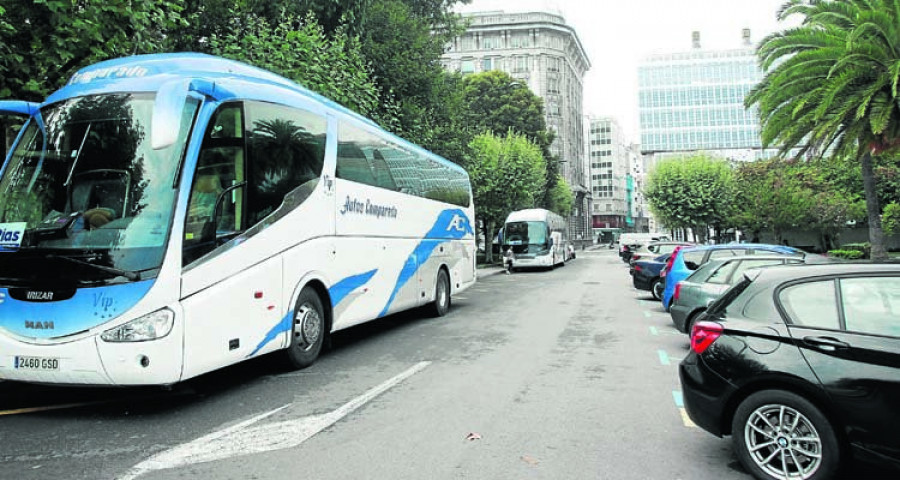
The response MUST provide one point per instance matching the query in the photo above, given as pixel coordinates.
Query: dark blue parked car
(645, 275)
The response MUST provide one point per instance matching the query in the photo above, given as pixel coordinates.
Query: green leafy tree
(497, 102)
(778, 195)
(831, 85)
(694, 192)
(891, 218)
(404, 49)
(507, 174)
(561, 197)
(333, 67)
(46, 41)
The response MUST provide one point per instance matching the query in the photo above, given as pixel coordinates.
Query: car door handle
(826, 344)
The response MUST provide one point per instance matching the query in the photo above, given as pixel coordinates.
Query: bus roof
(529, 215)
(147, 73)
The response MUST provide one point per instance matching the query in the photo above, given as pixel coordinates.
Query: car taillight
(635, 257)
(704, 334)
(637, 268)
(677, 292)
(670, 261)
(625, 248)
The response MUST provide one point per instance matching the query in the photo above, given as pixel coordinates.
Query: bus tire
(307, 331)
(441, 303)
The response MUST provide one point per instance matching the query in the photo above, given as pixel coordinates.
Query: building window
(520, 64)
(490, 42)
(520, 41)
(552, 85)
(487, 64)
(553, 64)
(467, 66)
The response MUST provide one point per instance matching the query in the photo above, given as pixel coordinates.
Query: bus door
(227, 294)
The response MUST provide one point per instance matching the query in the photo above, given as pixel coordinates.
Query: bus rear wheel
(307, 331)
(441, 303)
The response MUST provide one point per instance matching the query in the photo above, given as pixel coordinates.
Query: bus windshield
(526, 233)
(89, 189)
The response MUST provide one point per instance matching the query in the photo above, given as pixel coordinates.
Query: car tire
(441, 304)
(764, 429)
(657, 287)
(307, 331)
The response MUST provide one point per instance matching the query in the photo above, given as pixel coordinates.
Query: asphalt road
(561, 374)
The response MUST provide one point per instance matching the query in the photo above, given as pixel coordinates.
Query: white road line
(244, 438)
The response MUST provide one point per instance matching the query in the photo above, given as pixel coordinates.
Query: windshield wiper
(130, 275)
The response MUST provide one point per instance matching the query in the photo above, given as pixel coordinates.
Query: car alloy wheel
(780, 435)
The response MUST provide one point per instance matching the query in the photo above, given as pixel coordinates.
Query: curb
(487, 272)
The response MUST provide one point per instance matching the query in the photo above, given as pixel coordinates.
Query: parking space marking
(663, 357)
(679, 403)
(686, 419)
(647, 314)
(656, 332)
(459, 298)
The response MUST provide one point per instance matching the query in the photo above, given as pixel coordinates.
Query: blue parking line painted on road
(678, 397)
(654, 331)
(663, 357)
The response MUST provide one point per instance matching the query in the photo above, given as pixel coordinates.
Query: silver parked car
(695, 293)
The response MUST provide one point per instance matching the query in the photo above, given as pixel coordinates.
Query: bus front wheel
(307, 332)
(441, 303)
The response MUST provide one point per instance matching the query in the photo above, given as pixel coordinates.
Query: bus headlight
(149, 327)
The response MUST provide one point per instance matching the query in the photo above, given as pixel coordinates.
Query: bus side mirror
(167, 108)
(550, 242)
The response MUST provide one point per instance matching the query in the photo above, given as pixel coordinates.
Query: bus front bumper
(92, 361)
(535, 262)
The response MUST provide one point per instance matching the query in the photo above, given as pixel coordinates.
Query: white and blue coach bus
(162, 216)
(539, 238)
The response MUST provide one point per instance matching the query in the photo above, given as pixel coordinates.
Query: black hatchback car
(801, 366)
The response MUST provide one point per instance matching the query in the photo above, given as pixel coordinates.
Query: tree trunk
(873, 209)
(488, 242)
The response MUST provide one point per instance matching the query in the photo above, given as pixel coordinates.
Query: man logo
(39, 325)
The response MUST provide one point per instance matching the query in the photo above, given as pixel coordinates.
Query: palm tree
(831, 86)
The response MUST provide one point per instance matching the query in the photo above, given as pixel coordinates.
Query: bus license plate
(36, 363)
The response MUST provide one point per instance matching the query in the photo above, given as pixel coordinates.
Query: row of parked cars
(794, 355)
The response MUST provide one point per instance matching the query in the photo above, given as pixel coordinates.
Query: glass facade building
(695, 101)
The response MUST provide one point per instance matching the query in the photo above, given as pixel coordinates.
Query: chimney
(745, 34)
(695, 37)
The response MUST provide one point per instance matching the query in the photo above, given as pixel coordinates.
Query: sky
(617, 34)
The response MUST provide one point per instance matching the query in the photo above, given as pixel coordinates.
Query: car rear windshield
(718, 307)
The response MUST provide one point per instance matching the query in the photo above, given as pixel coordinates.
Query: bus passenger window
(286, 154)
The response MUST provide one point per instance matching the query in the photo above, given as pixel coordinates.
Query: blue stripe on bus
(341, 289)
(337, 292)
(451, 224)
(282, 326)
